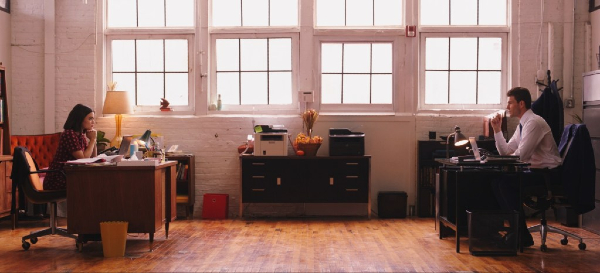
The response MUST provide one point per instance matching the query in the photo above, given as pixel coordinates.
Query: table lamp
(145, 138)
(117, 102)
(459, 139)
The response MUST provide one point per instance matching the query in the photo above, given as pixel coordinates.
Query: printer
(270, 141)
(343, 142)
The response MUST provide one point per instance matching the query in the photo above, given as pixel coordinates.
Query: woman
(72, 145)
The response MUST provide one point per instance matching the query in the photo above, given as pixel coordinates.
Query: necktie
(520, 131)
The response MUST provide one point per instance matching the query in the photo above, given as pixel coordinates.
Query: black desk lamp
(459, 139)
(145, 138)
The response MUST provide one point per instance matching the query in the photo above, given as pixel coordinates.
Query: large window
(149, 51)
(463, 68)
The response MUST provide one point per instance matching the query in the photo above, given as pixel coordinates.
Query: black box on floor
(493, 233)
(391, 204)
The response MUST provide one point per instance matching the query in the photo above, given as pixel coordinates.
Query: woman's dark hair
(520, 94)
(76, 117)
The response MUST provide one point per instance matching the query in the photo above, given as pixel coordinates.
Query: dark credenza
(303, 179)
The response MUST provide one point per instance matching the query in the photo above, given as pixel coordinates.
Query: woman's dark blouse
(70, 141)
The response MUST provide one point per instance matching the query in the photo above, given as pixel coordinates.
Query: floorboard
(289, 245)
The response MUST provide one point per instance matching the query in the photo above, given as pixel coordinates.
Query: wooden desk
(144, 196)
(466, 186)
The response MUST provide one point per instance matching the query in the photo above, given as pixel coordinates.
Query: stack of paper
(98, 159)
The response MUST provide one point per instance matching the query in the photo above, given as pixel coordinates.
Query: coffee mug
(139, 154)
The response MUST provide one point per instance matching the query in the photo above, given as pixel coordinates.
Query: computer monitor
(124, 148)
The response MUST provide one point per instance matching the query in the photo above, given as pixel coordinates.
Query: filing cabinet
(298, 179)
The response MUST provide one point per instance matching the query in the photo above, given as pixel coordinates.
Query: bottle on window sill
(219, 105)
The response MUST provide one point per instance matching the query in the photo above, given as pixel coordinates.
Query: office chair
(573, 187)
(26, 174)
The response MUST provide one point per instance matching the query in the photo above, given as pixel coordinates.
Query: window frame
(502, 32)
(292, 108)
(360, 108)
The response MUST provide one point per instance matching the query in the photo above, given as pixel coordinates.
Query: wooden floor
(288, 245)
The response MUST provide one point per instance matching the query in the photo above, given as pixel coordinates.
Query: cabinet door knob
(351, 163)
(352, 176)
(258, 189)
(278, 181)
(351, 189)
(258, 164)
(258, 176)
(331, 181)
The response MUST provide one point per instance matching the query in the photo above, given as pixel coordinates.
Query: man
(533, 143)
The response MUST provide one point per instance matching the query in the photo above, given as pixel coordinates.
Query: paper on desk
(98, 159)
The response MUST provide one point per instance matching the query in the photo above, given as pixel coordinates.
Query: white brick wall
(214, 139)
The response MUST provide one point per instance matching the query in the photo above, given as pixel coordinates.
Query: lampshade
(117, 102)
(459, 138)
(145, 138)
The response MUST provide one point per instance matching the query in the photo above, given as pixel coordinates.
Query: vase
(310, 149)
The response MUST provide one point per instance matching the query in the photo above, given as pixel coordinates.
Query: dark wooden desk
(466, 186)
(144, 196)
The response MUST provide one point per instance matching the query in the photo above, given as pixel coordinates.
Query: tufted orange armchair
(42, 147)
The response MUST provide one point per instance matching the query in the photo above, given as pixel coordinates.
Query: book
(99, 159)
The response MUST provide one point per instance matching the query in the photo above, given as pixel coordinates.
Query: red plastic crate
(215, 206)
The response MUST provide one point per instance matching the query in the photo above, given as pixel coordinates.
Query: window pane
(228, 86)
(492, 12)
(463, 87)
(284, 13)
(255, 13)
(122, 13)
(254, 88)
(463, 53)
(436, 87)
(123, 56)
(381, 89)
(359, 12)
(436, 53)
(151, 13)
(177, 88)
(253, 53)
(280, 54)
(330, 13)
(388, 12)
(357, 89)
(357, 58)
(280, 88)
(228, 52)
(331, 58)
(331, 88)
(463, 12)
(490, 53)
(226, 13)
(180, 13)
(176, 55)
(150, 55)
(150, 88)
(488, 86)
(125, 82)
(382, 58)
(435, 12)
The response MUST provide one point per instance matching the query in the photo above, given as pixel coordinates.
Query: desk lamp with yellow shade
(117, 102)
(459, 139)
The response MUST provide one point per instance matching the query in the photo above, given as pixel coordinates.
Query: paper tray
(138, 163)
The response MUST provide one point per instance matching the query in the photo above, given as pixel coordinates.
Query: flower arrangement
(305, 139)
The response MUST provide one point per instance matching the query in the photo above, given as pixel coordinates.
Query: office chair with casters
(26, 174)
(573, 187)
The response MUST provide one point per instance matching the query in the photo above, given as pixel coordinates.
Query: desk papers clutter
(99, 159)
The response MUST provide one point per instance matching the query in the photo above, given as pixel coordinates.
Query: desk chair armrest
(51, 171)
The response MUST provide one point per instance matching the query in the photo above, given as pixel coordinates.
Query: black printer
(343, 142)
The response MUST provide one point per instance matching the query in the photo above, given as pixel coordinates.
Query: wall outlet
(306, 96)
(569, 103)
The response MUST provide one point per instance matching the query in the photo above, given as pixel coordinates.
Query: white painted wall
(391, 140)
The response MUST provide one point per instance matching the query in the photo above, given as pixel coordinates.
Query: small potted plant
(101, 141)
(306, 143)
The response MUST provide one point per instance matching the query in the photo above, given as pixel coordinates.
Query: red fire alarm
(411, 31)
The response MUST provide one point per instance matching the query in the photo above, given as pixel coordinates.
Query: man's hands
(496, 122)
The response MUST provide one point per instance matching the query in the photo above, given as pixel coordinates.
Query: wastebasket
(114, 237)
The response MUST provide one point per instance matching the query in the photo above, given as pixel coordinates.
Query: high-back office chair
(26, 174)
(574, 188)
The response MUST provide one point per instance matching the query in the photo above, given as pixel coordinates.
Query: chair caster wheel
(25, 245)
(564, 242)
(34, 240)
(581, 246)
(544, 248)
